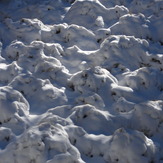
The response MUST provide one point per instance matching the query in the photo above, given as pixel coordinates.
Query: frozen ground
(81, 81)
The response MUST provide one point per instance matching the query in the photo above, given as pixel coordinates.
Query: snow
(81, 81)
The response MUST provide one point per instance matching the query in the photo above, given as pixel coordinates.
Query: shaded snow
(81, 81)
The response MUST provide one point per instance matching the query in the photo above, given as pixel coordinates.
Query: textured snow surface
(81, 81)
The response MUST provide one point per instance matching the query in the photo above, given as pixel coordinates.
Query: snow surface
(81, 81)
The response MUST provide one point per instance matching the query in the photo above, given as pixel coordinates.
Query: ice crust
(81, 81)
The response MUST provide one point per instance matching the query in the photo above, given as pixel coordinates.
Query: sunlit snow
(81, 81)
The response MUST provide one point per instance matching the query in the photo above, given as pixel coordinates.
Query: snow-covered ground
(81, 81)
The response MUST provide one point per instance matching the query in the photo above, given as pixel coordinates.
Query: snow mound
(8, 72)
(30, 87)
(140, 80)
(120, 50)
(43, 143)
(111, 148)
(6, 137)
(92, 14)
(144, 149)
(14, 110)
(144, 25)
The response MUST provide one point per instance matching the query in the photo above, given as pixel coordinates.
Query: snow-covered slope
(81, 81)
